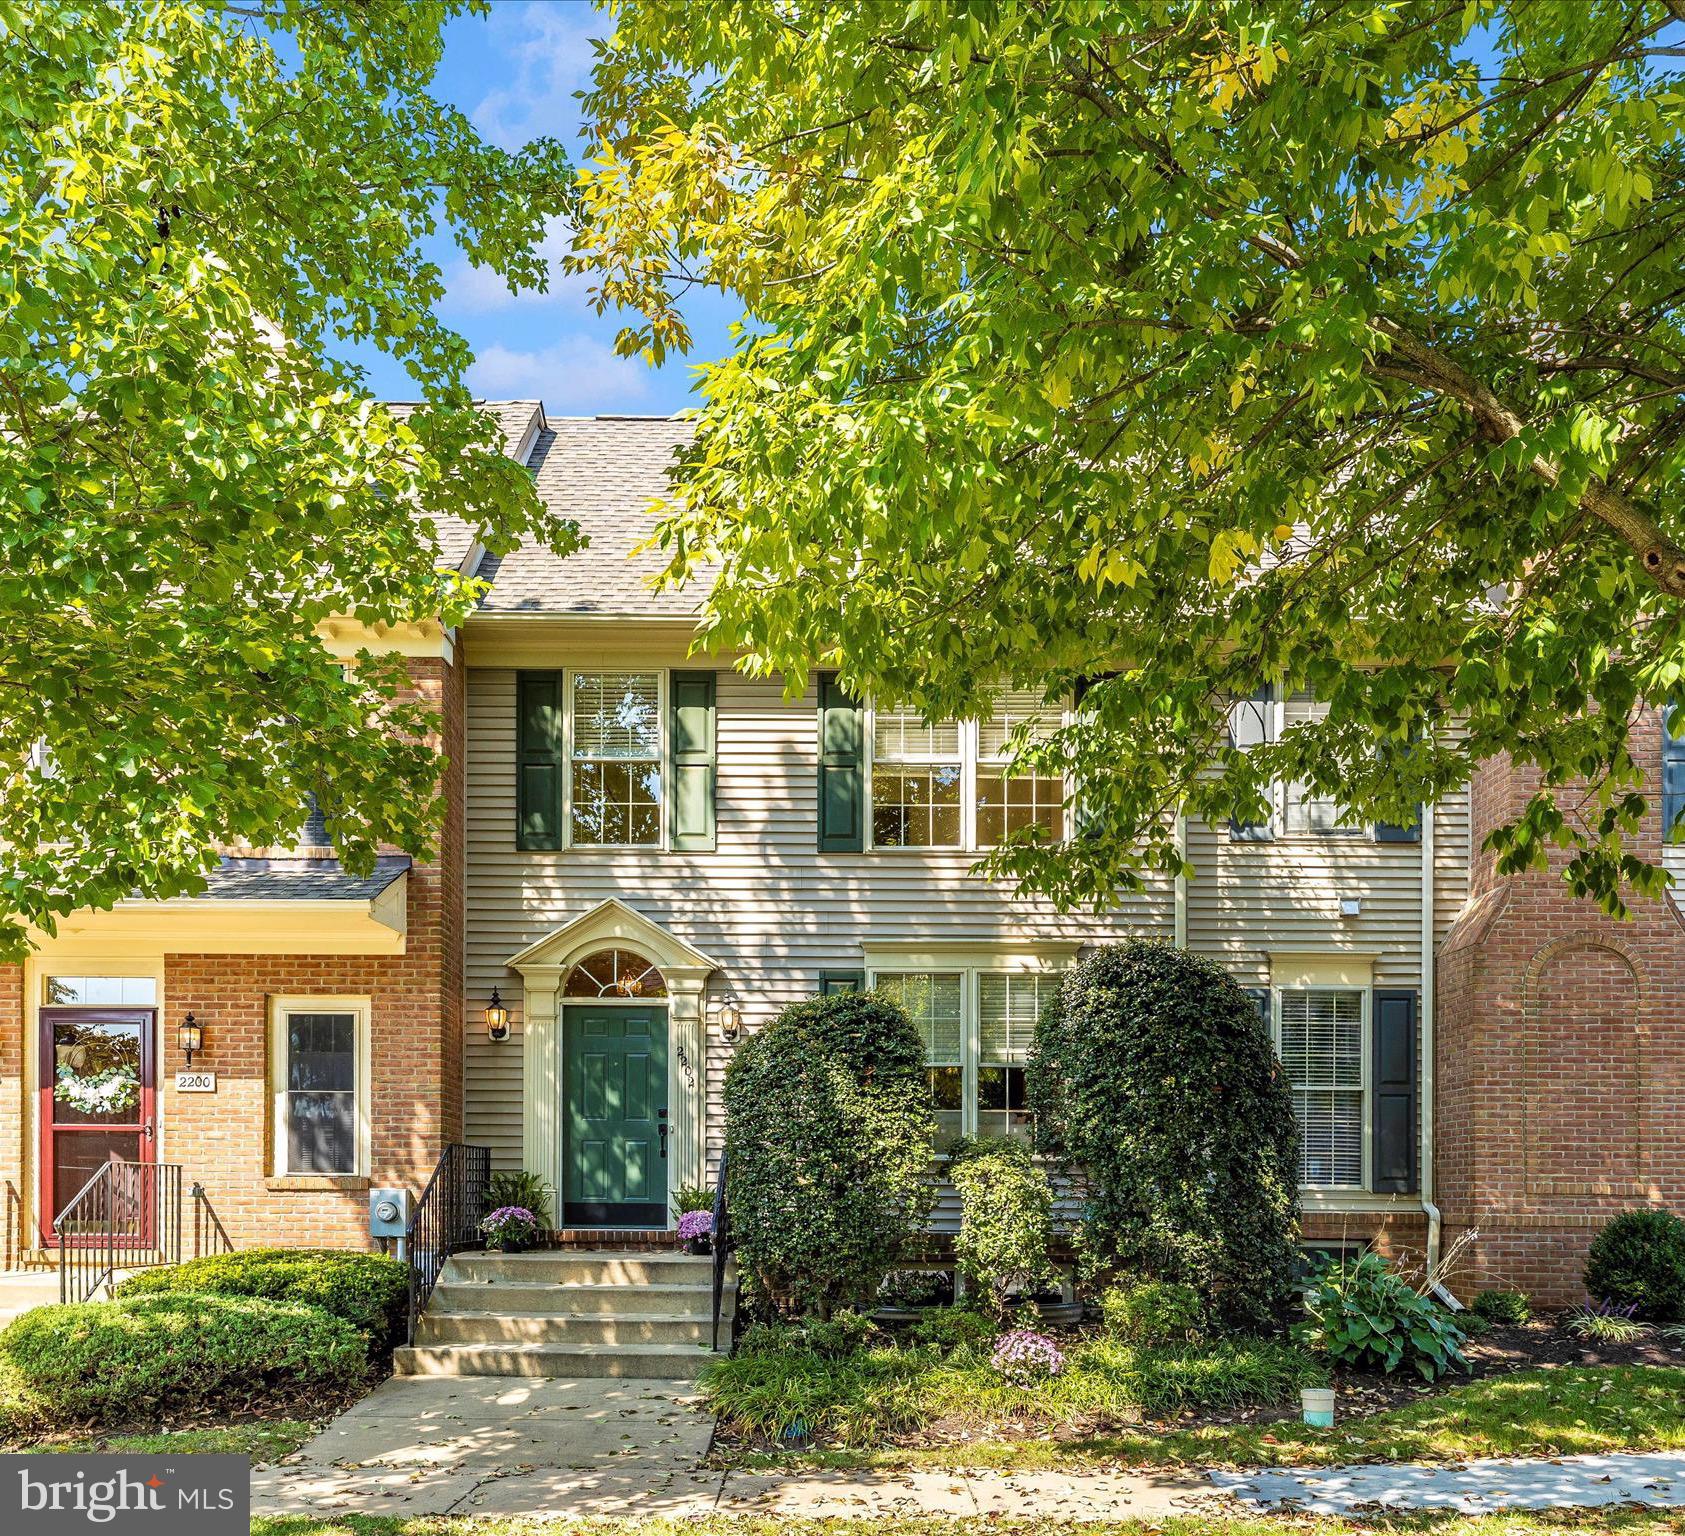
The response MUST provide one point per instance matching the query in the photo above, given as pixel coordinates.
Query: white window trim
(664, 758)
(969, 968)
(279, 1008)
(1366, 1126)
(970, 757)
(1276, 828)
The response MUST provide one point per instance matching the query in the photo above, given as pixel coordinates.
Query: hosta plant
(1359, 1313)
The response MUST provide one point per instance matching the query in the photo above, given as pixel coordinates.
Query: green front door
(615, 1161)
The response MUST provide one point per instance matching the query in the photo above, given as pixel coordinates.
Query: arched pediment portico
(619, 949)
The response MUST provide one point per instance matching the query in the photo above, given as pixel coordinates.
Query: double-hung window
(952, 783)
(319, 1078)
(977, 1023)
(1320, 1033)
(1295, 808)
(614, 759)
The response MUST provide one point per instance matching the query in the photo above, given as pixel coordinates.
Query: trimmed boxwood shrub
(828, 1141)
(368, 1290)
(1006, 1220)
(146, 1357)
(1638, 1260)
(1152, 1072)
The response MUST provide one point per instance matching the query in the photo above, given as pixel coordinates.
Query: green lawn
(264, 1440)
(1622, 1522)
(1550, 1412)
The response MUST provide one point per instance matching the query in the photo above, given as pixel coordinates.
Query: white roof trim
(609, 923)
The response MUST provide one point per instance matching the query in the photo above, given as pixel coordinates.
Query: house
(648, 853)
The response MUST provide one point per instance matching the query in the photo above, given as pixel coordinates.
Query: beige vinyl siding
(771, 909)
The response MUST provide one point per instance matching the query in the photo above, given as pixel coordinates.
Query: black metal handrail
(209, 1234)
(722, 1245)
(446, 1219)
(127, 1216)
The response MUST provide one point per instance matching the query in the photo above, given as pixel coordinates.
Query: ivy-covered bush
(1006, 1220)
(1152, 1313)
(828, 1144)
(1153, 1073)
(1358, 1312)
(370, 1291)
(172, 1357)
(1638, 1261)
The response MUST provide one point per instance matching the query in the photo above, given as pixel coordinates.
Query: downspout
(1181, 899)
(1426, 1102)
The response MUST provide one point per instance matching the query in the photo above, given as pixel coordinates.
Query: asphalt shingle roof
(300, 879)
(603, 472)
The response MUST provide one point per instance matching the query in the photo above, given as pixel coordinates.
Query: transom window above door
(615, 973)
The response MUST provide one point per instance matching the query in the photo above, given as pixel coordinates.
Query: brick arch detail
(1583, 1085)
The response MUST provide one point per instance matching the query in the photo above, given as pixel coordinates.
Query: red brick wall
(224, 1139)
(1561, 1058)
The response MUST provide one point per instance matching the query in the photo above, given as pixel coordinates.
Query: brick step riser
(457, 1328)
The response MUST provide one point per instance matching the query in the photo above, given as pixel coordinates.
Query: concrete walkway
(1472, 1487)
(493, 1445)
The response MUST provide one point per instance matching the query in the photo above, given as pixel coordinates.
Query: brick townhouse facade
(1495, 1055)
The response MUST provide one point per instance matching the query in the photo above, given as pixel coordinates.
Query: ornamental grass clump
(1025, 1357)
(1153, 1074)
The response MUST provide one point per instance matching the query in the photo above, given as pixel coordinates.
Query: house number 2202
(685, 1067)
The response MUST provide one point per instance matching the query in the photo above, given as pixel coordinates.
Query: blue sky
(514, 73)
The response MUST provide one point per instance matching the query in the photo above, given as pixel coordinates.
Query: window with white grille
(934, 1001)
(1321, 1044)
(918, 774)
(1013, 804)
(615, 761)
(1305, 809)
(1008, 1005)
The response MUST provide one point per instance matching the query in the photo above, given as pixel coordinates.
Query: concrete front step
(515, 1328)
(579, 1266)
(663, 1362)
(575, 1298)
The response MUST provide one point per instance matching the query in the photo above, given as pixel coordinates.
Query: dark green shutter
(694, 762)
(842, 769)
(538, 760)
(1393, 1057)
(841, 981)
(1673, 774)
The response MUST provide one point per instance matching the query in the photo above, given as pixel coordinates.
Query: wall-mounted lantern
(192, 1037)
(731, 1022)
(497, 1017)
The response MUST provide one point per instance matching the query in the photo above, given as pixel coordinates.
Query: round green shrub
(828, 1144)
(1006, 1220)
(1638, 1260)
(1152, 1072)
(1501, 1307)
(368, 1290)
(1152, 1313)
(163, 1356)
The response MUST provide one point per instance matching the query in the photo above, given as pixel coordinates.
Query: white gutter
(1181, 907)
(1426, 1102)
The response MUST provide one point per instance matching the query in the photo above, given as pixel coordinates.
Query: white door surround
(543, 966)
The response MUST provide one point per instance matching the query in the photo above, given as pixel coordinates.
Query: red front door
(97, 1101)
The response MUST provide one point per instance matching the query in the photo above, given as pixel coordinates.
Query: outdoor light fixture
(731, 1022)
(497, 1017)
(192, 1037)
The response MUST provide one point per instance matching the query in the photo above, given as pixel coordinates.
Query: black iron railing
(128, 1216)
(722, 1246)
(446, 1219)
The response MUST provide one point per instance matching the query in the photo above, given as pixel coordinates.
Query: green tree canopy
(1194, 346)
(199, 203)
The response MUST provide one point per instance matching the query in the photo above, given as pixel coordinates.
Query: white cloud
(577, 375)
(477, 290)
(549, 46)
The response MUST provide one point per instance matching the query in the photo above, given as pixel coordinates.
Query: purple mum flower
(696, 1224)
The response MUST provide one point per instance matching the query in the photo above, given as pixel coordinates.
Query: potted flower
(696, 1231)
(510, 1229)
